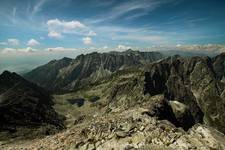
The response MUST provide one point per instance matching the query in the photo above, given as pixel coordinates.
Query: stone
(182, 114)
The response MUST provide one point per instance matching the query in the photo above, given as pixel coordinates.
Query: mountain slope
(67, 74)
(23, 104)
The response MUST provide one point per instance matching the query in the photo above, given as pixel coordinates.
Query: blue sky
(33, 28)
(107, 23)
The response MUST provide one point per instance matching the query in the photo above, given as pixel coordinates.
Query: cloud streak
(38, 6)
(143, 6)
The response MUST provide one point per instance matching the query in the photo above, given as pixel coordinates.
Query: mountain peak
(130, 50)
(66, 58)
(7, 73)
(8, 76)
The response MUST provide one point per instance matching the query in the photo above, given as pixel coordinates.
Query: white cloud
(92, 33)
(16, 51)
(67, 25)
(105, 47)
(8, 50)
(59, 49)
(178, 45)
(123, 47)
(32, 42)
(72, 25)
(27, 50)
(13, 42)
(57, 27)
(54, 34)
(87, 40)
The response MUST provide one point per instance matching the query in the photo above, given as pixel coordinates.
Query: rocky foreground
(131, 129)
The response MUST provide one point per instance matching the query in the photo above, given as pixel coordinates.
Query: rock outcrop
(219, 66)
(193, 83)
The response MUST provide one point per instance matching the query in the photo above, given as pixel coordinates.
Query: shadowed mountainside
(23, 104)
(193, 87)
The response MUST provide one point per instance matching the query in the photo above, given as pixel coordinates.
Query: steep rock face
(24, 104)
(192, 82)
(86, 69)
(219, 66)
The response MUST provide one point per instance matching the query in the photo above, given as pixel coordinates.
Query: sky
(40, 30)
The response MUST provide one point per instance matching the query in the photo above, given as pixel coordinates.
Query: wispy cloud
(14, 14)
(123, 8)
(154, 39)
(136, 15)
(38, 6)
(141, 34)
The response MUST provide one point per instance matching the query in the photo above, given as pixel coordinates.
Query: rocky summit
(69, 74)
(168, 104)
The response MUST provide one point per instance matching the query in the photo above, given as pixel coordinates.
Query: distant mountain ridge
(67, 74)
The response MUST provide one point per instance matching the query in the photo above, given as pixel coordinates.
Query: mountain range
(69, 74)
(120, 100)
